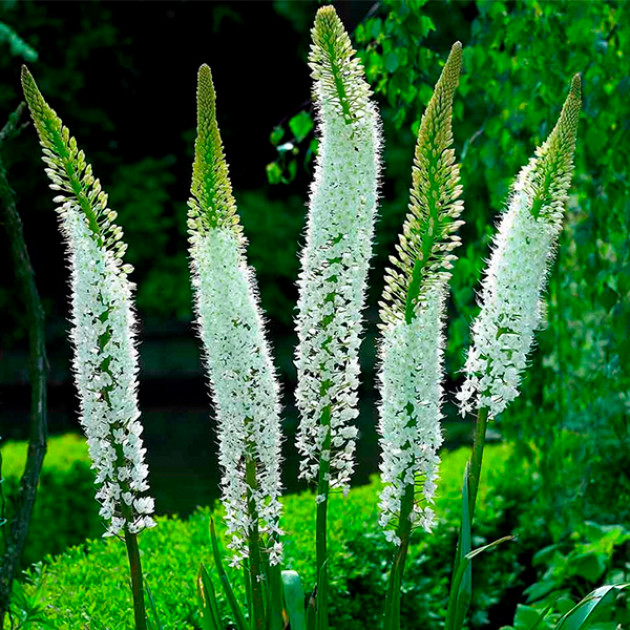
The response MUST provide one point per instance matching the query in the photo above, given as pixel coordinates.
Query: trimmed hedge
(86, 587)
(65, 512)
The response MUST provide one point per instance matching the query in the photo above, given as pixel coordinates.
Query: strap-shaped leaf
(461, 588)
(590, 607)
(273, 593)
(156, 623)
(322, 596)
(294, 600)
(210, 617)
(311, 611)
(239, 618)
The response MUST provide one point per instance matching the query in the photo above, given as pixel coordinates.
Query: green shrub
(65, 512)
(86, 586)
(592, 555)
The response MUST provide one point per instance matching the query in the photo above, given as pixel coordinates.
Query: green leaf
(301, 125)
(527, 618)
(239, 619)
(461, 588)
(590, 565)
(292, 171)
(311, 611)
(322, 596)
(590, 607)
(274, 597)
(18, 47)
(538, 590)
(294, 599)
(391, 61)
(274, 173)
(276, 135)
(210, 617)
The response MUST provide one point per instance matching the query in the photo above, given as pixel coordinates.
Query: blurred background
(122, 77)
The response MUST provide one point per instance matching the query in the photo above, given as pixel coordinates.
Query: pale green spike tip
(211, 186)
(31, 92)
(46, 120)
(329, 33)
(573, 102)
(325, 15)
(570, 114)
(204, 80)
(576, 86)
(453, 65)
(429, 232)
(27, 78)
(335, 66)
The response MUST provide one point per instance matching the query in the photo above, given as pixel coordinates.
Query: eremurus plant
(412, 322)
(105, 361)
(332, 280)
(332, 284)
(244, 387)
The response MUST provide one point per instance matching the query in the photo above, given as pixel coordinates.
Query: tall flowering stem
(334, 268)
(244, 385)
(512, 296)
(105, 360)
(412, 321)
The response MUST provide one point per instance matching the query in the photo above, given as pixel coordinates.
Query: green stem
(476, 459)
(392, 601)
(323, 489)
(255, 570)
(137, 587)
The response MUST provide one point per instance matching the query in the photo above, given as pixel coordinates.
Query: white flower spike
(105, 360)
(512, 294)
(412, 320)
(241, 372)
(336, 257)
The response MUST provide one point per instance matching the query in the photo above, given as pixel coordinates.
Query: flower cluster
(336, 256)
(238, 360)
(412, 314)
(514, 283)
(105, 360)
(411, 390)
